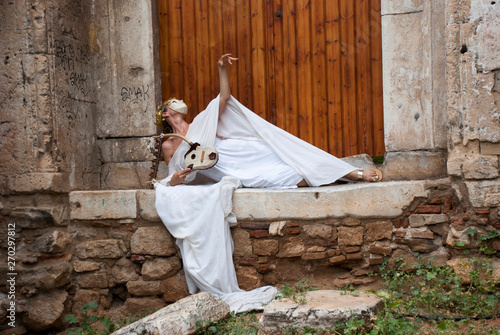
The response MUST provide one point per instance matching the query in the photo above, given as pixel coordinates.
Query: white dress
(253, 162)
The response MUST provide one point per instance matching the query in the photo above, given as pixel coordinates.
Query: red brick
(254, 225)
(482, 211)
(423, 234)
(263, 268)
(137, 258)
(400, 233)
(293, 231)
(465, 217)
(315, 256)
(246, 261)
(447, 205)
(380, 250)
(259, 233)
(457, 222)
(397, 223)
(405, 223)
(482, 221)
(292, 224)
(408, 213)
(496, 245)
(435, 201)
(428, 209)
(496, 225)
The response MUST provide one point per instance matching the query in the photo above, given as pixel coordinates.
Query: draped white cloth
(199, 216)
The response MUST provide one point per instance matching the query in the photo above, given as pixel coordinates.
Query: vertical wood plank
(230, 39)
(363, 78)
(303, 15)
(348, 78)
(376, 67)
(202, 61)
(175, 72)
(271, 63)
(189, 57)
(279, 73)
(334, 83)
(216, 36)
(290, 67)
(243, 67)
(259, 79)
(319, 96)
(164, 46)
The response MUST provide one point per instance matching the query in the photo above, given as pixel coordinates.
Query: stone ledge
(361, 200)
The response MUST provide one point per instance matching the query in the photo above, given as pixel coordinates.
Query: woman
(250, 159)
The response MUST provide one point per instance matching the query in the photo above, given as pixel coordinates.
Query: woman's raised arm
(225, 90)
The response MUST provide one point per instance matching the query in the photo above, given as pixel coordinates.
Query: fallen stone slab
(181, 317)
(322, 309)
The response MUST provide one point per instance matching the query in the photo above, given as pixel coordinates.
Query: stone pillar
(414, 88)
(473, 85)
(130, 92)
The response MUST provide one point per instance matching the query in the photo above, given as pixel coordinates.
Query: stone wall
(473, 93)
(111, 247)
(78, 91)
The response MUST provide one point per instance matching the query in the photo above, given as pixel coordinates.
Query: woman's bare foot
(371, 175)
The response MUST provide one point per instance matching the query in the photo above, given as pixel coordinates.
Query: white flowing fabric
(199, 216)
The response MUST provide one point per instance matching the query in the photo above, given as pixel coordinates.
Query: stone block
(40, 182)
(293, 247)
(488, 148)
(374, 249)
(85, 266)
(321, 311)
(242, 243)
(420, 220)
(155, 241)
(120, 150)
(46, 277)
(124, 271)
(488, 34)
(484, 167)
(484, 193)
(100, 249)
(248, 278)
(100, 205)
(320, 231)
(142, 305)
(419, 244)
(423, 234)
(314, 256)
(362, 161)
(44, 309)
(35, 217)
(354, 257)
(142, 288)
(52, 242)
(259, 233)
(175, 288)
(265, 247)
(337, 259)
(146, 202)
(181, 317)
(350, 235)
(98, 279)
(418, 165)
(124, 176)
(277, 228)
(378, 231)
(389, 7)
(160, 268)
(380, 200)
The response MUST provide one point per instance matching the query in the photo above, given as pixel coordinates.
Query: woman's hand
(179, 177)
(225, 60)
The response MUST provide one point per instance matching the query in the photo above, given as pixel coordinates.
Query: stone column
(130, 91)
(414, 88)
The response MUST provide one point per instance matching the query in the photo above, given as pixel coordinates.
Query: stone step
(181, 317)
(321, 310)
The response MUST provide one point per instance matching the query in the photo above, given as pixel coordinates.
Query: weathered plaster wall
(473, 93)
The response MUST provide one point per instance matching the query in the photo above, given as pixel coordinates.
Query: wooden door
(312, 67)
